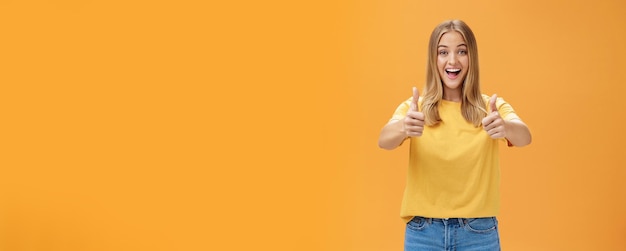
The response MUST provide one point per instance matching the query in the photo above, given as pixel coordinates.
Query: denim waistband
(460, 221)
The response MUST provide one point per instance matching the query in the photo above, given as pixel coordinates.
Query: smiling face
(452, 64)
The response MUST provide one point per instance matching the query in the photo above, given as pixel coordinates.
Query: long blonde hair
(472, 103)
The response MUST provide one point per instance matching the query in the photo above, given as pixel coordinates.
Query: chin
(452, 86)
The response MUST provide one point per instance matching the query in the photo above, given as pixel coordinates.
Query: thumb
(416, 97)
(492, 103)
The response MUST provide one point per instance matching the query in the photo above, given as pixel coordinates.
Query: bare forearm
(517, 133)
(392, 135)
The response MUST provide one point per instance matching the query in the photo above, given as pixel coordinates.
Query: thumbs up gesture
(493, 124)
(413, 124)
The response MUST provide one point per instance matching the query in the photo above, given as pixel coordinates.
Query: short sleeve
(506, 110)
(402, 109)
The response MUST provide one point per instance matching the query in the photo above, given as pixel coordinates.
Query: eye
(462, 52)
(443, 52)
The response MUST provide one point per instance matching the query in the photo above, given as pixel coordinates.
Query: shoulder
(402, 108)
(486, 97)
(504, 108)
(407, 103)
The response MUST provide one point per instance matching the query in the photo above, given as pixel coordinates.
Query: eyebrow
(441, 45)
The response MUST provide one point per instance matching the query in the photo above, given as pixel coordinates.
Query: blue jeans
(454, 234)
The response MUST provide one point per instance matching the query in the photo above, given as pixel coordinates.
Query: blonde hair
(472, 103)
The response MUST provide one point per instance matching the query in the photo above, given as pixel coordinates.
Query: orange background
(188, 125)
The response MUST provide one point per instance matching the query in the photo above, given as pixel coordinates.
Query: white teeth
(453, 70)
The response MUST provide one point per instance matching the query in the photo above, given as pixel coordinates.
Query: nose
(452, 59)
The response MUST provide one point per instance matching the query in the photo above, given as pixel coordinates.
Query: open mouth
(453, 73)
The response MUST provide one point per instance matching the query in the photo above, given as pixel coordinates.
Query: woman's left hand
(493, 123)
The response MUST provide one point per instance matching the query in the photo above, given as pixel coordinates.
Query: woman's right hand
(413, 124)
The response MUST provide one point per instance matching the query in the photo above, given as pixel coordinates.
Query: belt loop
(429, 220)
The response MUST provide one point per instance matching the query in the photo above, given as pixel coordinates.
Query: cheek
(440, 65)
(441, 61)
(465, 62)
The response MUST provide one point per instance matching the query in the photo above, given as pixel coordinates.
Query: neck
(452, 95)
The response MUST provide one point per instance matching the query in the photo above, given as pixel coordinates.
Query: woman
(452, 191)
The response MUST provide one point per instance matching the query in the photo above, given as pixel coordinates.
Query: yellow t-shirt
(454, 169)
